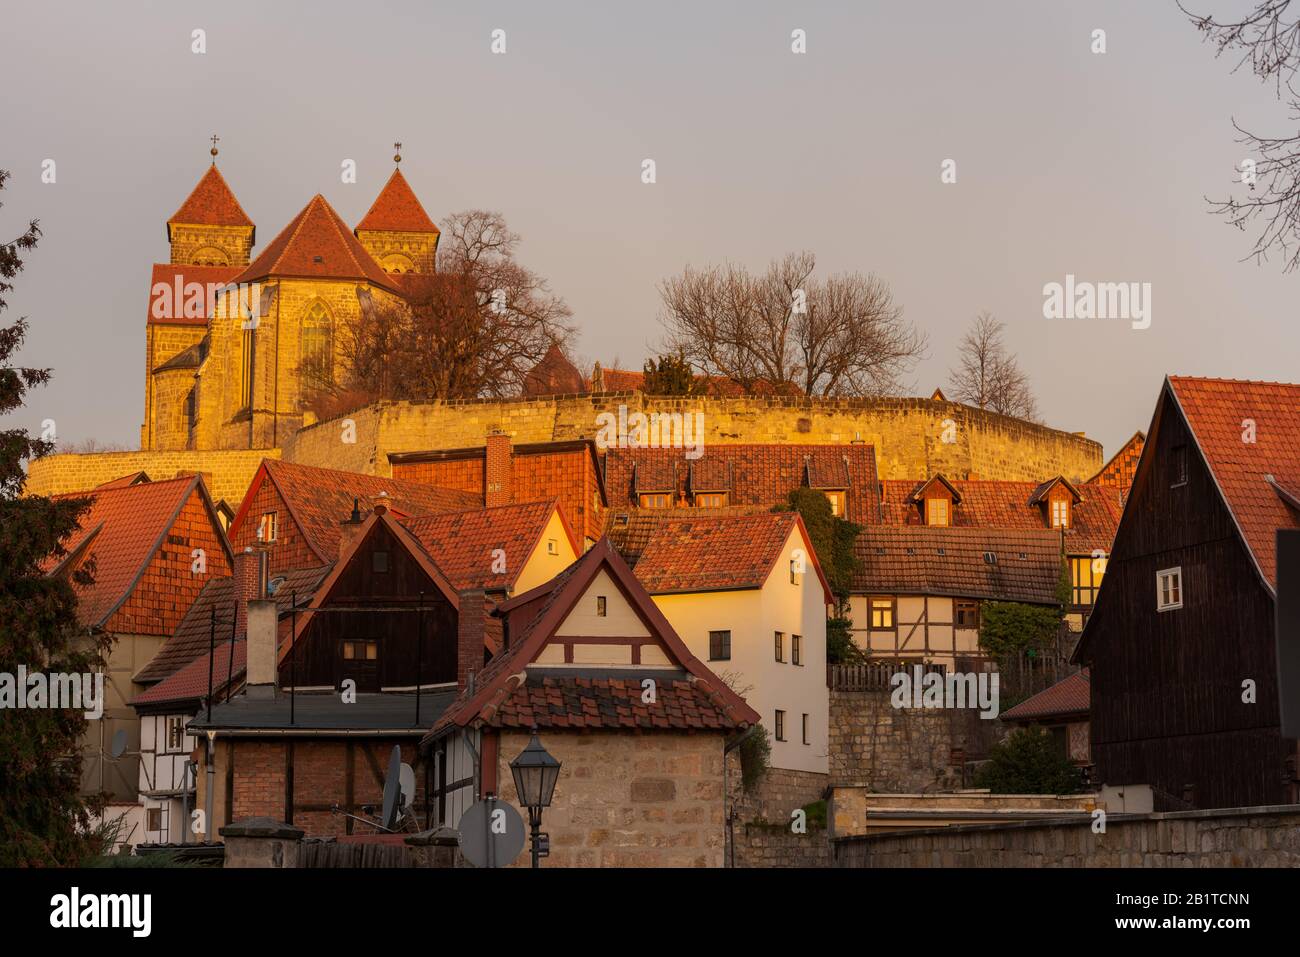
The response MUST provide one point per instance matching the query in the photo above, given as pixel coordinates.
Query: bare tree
(474, 328)
(988, 376)
(1269, 41)
(842, 335)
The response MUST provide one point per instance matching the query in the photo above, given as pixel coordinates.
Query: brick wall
(290, 549)
(1235, 837)
(629, 800)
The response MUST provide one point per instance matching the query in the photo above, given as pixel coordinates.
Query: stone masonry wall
(913, 438)
(647, 800)
(903, 750)
(1235, 837)
(226, 474)
(760, 821)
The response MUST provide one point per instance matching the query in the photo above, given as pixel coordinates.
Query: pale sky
(1067, 162)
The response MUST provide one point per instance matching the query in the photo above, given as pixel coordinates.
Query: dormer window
(654, 500)
(710, 499)
(837, 503)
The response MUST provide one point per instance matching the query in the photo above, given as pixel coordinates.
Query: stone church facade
(236, 344)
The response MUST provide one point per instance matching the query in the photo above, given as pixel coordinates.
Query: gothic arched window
(317, 363)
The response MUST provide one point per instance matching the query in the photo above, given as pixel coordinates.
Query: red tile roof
(190, 683)
(553, 375)
(462, 543)
(926, 560)
(191, 639)
(316, 244)
(720, 554)
(167, 304)
(211, 203)
(631, 530)
(123, 528)
(398, 209)
(1122, 466)
(514, 692)
(126, 481)
(1070, 696)
(319, 499)
(1006, 505)
(1215, 410)
(758, 474)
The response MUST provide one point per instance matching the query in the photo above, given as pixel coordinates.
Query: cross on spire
(397, 157)
(213, 151)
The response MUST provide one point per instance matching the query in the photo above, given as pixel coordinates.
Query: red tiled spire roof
(397, 209)
(169, 279)
(316, 244)
(211, 203)
(1215, 410)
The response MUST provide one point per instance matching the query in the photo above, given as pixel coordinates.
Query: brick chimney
(470, 630)
(250, 583)
(349, 527)
(262, 676)
(496, 470)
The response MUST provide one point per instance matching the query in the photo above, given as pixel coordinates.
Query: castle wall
(913, 438)
(227, 474)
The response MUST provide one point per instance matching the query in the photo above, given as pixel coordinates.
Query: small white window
(1169, 589)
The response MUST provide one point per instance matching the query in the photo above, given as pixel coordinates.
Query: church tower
(397, 231)
(211, 228)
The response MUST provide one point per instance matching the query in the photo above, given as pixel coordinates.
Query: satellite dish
(119, 743)
(491, 833)
(407, 779)
(392, 789)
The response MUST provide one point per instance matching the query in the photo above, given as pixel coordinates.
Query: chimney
(470, 634)
(349, 527)
(496, 470)
(261, 676)
(250, 583)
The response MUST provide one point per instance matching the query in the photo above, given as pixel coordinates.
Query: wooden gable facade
(385, 618)
(1167, 685)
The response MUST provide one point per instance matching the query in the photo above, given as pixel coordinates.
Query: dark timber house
(1184, 623)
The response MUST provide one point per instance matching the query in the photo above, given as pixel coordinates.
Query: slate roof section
(326, 714)
(924, 560)
(121, 531)
(319, 499)
(1215, 410)
(759, 474)
(461, 544)
(1006, 505)
(191, 639)
(397, 209)
(316, 244)
(163, 292)
(1069, 697)
(211, 203)
(720, 554)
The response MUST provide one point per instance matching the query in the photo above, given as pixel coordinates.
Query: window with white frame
(1169, 589)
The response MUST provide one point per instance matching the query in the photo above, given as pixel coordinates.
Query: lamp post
(535, 773)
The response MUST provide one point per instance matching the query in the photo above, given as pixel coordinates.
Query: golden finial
(397, 157)
(213, 151)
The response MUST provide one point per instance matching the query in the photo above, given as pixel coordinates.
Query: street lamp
(535, 773)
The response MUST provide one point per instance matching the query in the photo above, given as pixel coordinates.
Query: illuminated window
(1169, 589)
(710, 499)
(360, 650)
(837, 503)
(1085, 578)
(1061, 513)
(936, 511)
(654, 500)
(882, 613)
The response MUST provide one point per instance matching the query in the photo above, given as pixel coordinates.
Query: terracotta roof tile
(1215, 410)
(1006, 505)
(714, 554)
(190, 683)
(1070, 696)
(1122, 466)
(631, 530)
(397, 208)
(550, 700)
(120, 532)
(211, 203)
(319, 499)
(925, 560)
(316, 245)
(461, 543)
